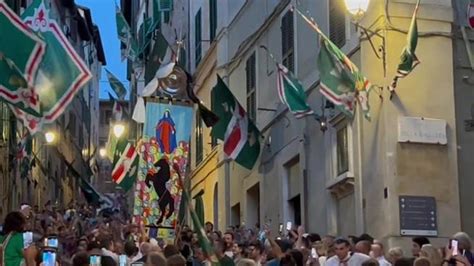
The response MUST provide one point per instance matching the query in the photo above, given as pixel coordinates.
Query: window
(342, 150)
(337, 22)
(287, 41)
(165, 5)
(199, 139)
(212, 19)
(108, 116)
(166, 16)
(197, 37)
(250, 71)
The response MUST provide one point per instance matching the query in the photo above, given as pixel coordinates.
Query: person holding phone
(14, 252)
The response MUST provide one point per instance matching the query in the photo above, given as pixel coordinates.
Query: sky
(103, 14)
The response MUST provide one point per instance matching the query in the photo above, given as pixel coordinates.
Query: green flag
(292, 93)
(61, 73)
(125, 165)
(161, 53)
(21, 52)
(111, 144)
(125, 36)
(408, 59)
(240, 135)
(116, 85)
(341, 81)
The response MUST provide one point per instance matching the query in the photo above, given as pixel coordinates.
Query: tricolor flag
(61, 74)
(21, 52)
(239, 133)
(116, 85)
(470, 15)
(342, 83)
(125, 165)
(117, 109)
(129, 45)
(292, 93)
(408, 59)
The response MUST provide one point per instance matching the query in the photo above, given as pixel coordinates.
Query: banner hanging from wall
(163, 150)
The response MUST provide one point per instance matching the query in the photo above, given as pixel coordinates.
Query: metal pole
(227, 193)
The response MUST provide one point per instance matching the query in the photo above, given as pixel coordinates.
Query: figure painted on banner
(166, 133)
(159, 179)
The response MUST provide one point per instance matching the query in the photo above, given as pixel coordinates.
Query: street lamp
(119, 129)
(102, 152)
(357, 7)
(50, 137)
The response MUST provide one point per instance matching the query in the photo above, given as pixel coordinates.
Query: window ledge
(342, 185)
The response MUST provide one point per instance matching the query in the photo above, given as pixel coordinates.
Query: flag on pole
(292, 93)
(125, 36)
(111, 144)
(408, 59)
(21, 52)
(198, 226)
(470, 15)
(161, 53)
(117, 110)
(341, 81)
(240, 135)
(116, 85)
(61, 73)
(125, 165)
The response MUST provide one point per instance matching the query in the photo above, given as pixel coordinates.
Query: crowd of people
(82, 236)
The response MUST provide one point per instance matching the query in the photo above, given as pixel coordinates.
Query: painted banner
(163, 150)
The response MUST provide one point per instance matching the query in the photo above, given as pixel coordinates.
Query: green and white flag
(292, 93)
(341, 81)
(408, 59)
(130, 46)
(21, 52)
(235, 128)
(161, 54)
(61, 74)
(116, 85)
(125, 167)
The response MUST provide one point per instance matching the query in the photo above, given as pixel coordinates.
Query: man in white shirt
(343, 255)
(377, 253)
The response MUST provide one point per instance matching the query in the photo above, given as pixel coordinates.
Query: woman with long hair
(17, 249)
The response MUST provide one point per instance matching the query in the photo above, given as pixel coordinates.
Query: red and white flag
(236, 133)
(124, 164)
(470, 15)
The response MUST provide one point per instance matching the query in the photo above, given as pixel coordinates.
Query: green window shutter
(287, 41)
(165, 5)
(212, 19)
(166, 16)
(197, 37)
(337, 22)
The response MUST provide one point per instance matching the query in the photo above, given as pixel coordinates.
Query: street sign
(418, 216)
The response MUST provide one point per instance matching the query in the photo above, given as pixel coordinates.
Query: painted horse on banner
(159, 179)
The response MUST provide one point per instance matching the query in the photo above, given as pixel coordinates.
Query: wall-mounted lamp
(357, 9)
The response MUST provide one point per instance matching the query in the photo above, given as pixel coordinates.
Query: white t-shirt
(383, 262)
(354, 259)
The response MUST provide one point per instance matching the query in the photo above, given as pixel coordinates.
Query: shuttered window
(287, 41)
(197, 37)
(212, 19)
(165, 5)
(250, 70)
(337, 22)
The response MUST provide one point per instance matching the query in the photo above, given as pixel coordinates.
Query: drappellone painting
(164, 151)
